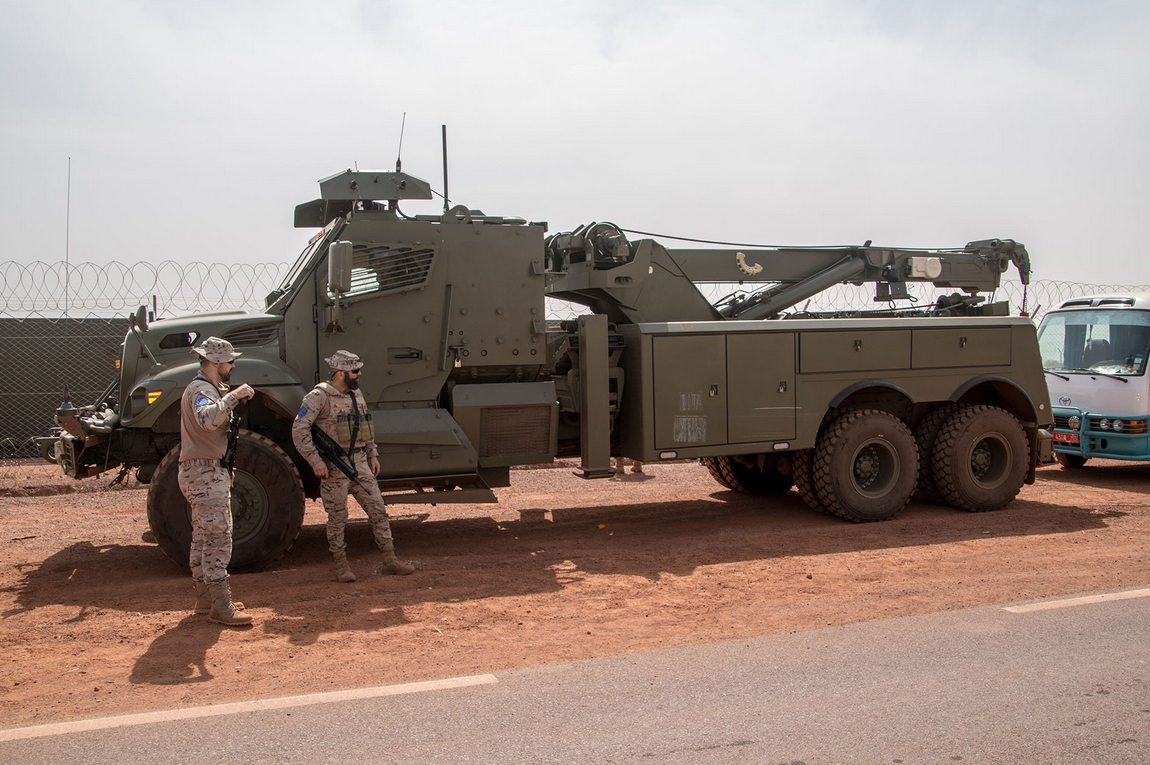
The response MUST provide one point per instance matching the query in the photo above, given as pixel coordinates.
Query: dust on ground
(94, 620)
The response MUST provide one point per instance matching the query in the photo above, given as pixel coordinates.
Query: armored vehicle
(1094, 349)
(466, 377)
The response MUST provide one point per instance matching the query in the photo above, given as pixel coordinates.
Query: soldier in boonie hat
(216, 350)
(344, 361)
(339, 410)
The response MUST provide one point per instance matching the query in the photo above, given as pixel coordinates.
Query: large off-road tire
(749, 480)
(925, 435)
(1070, 461)
(865, 466)
(980, 458)
(267, 505)
(802, 467)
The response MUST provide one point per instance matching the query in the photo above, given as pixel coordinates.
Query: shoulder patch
(302, 411)
(203, 400)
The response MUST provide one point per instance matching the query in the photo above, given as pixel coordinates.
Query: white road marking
(1084, 600)
(257, 705)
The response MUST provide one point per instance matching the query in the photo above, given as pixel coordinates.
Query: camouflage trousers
(334, 490)
(208, 488)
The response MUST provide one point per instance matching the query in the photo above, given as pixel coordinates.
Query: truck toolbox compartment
(690, 390)
(854, 350)
(967, 347)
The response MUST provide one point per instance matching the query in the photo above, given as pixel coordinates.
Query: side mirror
(339, 267)
(141, 318)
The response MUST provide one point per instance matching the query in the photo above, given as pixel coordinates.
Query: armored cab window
(389, 268)
(180, 340)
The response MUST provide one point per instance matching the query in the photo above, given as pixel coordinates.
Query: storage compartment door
(761, 376)
(690, 390)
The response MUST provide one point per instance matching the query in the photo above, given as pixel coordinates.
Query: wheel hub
(990, 461)
(250, 507)
(875, 468)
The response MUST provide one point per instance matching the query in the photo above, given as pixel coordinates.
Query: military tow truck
(466, 376)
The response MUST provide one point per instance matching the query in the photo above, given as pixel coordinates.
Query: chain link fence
(58, 325)
(38, 358)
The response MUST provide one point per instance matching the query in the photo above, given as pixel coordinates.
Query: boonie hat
(216, 350)
(344, 361)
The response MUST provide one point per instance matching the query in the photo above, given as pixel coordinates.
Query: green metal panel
(690, 391)
(594, 393)
(968, 347)
(854, 350)
(761, 380)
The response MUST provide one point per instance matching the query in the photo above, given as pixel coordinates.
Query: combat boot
(224, 611)
(343, 571)
(204, 600)
(392, 564)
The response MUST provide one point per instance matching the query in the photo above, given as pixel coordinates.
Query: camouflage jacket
(332, 411)
(205, 411)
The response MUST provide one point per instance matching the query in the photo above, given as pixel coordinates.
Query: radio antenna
(445, 197)
(399, 152)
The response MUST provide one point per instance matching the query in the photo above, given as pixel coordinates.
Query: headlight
(1117, 426)
(1104, 424)
(1075, 422)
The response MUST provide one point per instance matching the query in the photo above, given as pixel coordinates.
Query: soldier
(205, 413)
(339, 410)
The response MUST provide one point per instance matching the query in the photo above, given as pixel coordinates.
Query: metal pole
(67, 237)
(445, 197)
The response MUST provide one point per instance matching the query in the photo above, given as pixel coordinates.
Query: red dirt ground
(94, 620)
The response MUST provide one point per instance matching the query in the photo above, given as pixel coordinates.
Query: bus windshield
(1101, 340)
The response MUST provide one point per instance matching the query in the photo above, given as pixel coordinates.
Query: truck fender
(1017, 400)
(846, 393)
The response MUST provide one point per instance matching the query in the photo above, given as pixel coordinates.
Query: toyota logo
(1065, 400)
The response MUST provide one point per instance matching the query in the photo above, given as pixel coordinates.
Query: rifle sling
(354, 426)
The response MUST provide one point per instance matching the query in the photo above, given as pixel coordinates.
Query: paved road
(1042, 684)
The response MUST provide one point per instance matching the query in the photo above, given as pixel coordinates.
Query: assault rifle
(229, 458)
(331, 451)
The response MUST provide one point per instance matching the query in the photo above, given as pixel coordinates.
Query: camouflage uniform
(332, 411)
(205, 412)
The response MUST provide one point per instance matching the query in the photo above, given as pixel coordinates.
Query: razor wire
(55, 290)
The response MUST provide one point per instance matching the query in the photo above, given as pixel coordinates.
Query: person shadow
(179, 655)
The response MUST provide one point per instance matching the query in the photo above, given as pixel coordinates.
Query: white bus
(1094, 350)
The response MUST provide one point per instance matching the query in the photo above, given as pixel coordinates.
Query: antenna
(445, 198)
(399, 152)
(67, 241)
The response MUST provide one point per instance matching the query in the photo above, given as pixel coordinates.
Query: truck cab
(1094, 351)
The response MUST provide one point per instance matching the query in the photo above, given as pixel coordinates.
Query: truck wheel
(925, 435)
(802, 465)
(1070, 461)
(980, 458)
(267, 505)
(865, 466)
(749, 480)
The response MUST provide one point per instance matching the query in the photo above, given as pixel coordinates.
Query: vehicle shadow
(546, 550)
(1108, 474)
(91, 577)
(476, 558)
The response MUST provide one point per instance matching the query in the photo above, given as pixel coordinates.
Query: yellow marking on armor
(237, 707)
(1082, 601)
(153, 395)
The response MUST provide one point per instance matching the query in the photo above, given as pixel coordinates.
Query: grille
(1062, 421)
(509, 431)
(254, 335)
(1133, 427)
(384, 268)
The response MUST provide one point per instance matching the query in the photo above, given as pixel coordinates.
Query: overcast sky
(195, 128)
